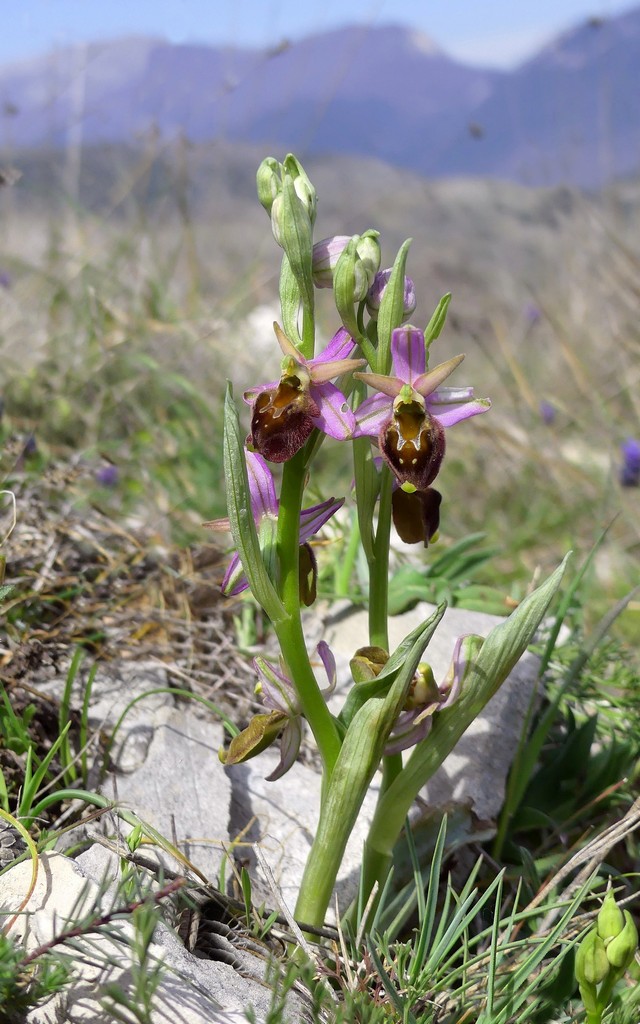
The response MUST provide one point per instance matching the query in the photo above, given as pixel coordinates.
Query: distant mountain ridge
(568, 115)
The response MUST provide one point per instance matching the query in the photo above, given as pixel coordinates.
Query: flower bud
(326, 254)
(367, 663)
(621, 949)
(269, 182)
(305, 191)
(368, 249)
(610, 920)
(377, 289)
(592, 965)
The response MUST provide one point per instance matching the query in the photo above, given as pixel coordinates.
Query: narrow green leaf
(290, 302)
(391, 311)
(357, 762)
(487, 671)
(437, 321)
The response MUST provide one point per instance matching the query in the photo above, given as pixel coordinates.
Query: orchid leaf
(391, 310)
(437, 321)
(491, 665)
(357, 762)
(297, 242)
(381, 684)
(290, 302)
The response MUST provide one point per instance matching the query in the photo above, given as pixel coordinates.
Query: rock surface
(191, 990)
(170, 775)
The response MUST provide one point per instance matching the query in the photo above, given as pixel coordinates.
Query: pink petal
(313, 519)
(427, 383)
(391, 386)
(340, 347)
(408, 353)
(450, 689)
(336, 417)
(289, 746)
(324, 371)
(329, 662)
(407, 732)
(234, 581)
(261, 487)
(373, 414)
(462, 412)
(449, 396)
(276, 690)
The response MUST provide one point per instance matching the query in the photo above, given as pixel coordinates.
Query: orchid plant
(371, 387)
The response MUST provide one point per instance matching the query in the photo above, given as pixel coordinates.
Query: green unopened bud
(610, 920)
(269, 182)
(368, 249)
(592, 964)
(621, 950)
(304, 189)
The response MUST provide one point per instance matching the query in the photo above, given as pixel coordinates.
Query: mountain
(570, 113)
(567, 115)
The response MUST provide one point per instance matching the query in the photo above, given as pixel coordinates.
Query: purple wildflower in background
(547, 412)
(5, 279)
(630, 469)
(532, 314)
(107, 476)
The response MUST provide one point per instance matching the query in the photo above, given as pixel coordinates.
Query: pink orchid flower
(285, 412)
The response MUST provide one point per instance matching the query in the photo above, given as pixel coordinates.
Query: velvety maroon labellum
(282, 421)
(413, 444)
(416, 516)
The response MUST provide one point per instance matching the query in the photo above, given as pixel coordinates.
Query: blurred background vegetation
(123, 312)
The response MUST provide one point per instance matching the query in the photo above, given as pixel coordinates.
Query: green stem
(289, 630)
(344, 570)
(379, 567)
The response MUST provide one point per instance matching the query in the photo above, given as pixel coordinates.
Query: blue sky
(495, 33)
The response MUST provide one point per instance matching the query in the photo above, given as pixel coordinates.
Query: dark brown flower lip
(282, 421)
(413, 446)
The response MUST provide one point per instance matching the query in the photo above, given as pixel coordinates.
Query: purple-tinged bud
(326, 254)
(377, 290)
(630, 469)
(363, 262)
